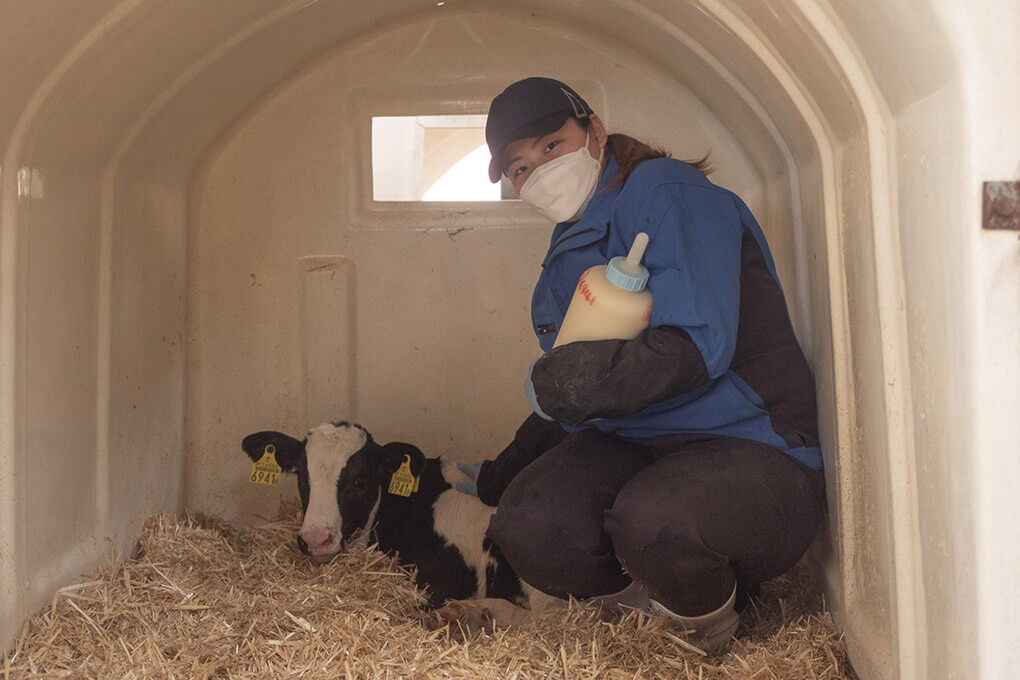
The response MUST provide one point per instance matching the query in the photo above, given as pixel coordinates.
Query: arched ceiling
(102, 71)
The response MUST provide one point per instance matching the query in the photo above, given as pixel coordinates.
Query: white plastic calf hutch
(198, 242)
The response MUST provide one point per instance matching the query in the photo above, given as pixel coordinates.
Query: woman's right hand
(469, 486)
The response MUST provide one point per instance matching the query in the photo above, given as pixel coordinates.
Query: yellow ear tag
(266, 470)
(403, 483)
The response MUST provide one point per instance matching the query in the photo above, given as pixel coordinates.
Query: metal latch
(1001, 206)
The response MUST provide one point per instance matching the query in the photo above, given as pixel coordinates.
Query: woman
(678, 469)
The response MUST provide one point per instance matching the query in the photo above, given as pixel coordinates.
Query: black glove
(533, 438)
(615, 378)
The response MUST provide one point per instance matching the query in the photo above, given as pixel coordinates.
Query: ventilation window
(433, 158)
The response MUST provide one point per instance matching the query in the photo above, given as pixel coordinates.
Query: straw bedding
(206, 600)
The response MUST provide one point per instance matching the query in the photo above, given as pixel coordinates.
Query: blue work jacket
(694, 261)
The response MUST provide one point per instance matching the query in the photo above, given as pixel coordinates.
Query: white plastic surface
(189, 251)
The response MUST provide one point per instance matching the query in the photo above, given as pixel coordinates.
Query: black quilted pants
(685, 517)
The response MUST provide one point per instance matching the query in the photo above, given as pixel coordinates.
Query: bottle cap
(628, 272)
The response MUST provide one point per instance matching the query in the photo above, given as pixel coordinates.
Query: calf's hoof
(487, 614)
(466, 615)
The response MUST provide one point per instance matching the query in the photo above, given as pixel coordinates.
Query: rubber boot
(709, 632)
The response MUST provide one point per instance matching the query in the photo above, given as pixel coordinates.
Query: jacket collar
(594, 222)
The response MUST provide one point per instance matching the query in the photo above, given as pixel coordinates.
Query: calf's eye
(359, 483)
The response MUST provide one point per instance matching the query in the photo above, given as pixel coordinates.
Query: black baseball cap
(532, 107)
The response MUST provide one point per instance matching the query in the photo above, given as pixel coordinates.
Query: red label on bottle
(648, 315)
(585, 290)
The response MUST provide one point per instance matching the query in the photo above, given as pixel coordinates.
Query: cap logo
(579, 111)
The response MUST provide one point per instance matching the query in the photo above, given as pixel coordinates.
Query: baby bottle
(611, 300)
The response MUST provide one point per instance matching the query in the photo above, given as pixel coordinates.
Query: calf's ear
(286, 449)
(394, 453)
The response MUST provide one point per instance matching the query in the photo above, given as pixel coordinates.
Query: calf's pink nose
(318, 540)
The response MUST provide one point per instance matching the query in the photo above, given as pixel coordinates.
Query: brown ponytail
(629, 152)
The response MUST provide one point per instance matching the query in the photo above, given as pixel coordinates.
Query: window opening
(432, 158)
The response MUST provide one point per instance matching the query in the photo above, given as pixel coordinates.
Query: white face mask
(561, 188)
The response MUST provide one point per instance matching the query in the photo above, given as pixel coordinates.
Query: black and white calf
(352, 489)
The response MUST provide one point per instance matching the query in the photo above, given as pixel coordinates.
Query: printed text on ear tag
(403, 483)
(265, 470)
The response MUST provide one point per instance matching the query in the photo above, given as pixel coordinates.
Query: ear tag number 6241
(403, 482)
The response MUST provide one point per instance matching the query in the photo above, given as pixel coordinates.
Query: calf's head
(342, 474)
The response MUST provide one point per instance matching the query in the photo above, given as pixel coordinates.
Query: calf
(352, 489)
